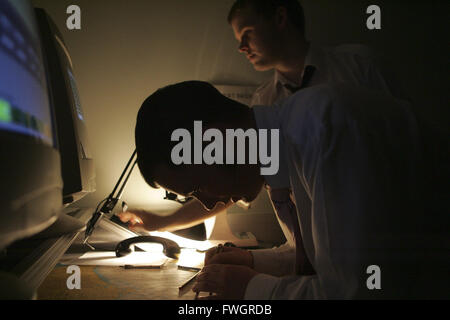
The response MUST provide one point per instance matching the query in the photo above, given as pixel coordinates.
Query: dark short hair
(177, 106)
(267, 8)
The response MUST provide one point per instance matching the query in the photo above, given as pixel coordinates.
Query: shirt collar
(268, 117)
(313, 58)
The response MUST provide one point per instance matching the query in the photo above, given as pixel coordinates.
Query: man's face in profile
(211, 185)
(257, 38)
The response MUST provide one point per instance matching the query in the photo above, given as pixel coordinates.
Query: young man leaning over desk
(349, 191)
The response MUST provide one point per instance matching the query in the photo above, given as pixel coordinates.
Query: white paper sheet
(108, 258)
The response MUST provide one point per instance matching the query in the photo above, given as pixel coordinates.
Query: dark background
(127, 49)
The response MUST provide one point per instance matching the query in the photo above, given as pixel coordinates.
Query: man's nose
(243, 47)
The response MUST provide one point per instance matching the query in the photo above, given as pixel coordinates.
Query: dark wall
(413, 41)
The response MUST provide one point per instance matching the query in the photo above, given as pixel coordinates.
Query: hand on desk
(226, 273)
(225, 281)
(229, 255)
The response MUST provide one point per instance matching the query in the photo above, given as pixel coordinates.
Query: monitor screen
(21, 65)
(30, 170)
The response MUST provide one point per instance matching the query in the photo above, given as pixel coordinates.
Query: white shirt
(350, 157)
(352, 64)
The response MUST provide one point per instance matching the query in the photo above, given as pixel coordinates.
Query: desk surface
(117, 283)
(101, 282)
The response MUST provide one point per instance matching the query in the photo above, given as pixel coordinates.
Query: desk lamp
(171, 248)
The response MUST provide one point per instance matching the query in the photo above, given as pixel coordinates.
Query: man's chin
(261, 66)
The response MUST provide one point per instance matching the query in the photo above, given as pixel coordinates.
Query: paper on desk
(108, 258)
(190, 258)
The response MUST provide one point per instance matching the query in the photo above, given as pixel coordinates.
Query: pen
(184, 285)
(188, 268)
(130, 266)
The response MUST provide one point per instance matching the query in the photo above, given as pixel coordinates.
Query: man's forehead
(243, 18)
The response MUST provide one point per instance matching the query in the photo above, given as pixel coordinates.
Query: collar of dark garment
(307, 76)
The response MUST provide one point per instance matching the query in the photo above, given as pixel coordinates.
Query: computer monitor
(30, 170)
(76, 159)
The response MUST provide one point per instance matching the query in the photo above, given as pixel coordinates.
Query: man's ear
(281, 18)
